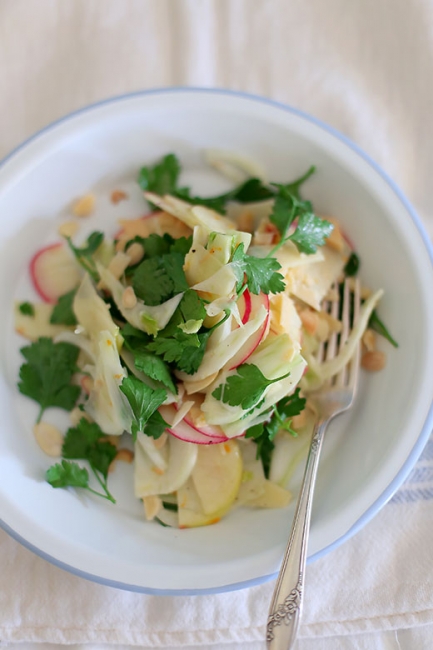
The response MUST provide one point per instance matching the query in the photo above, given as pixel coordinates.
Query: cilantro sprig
(84, 255)
(279, 419)
(87, 442)
(144, 402)
(309, 231)
(261, 274)
(245, 388)
(163, 263)
(63, 313)
(46, 375)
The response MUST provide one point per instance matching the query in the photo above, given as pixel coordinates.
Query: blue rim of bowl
(428, 424)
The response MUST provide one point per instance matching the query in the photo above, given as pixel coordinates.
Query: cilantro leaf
(153, 366)
(310, 232)
(46, 377)
(192, 306)
(261, 273)
(63, 312)
(66, 474)
(352, 265)
(191, 357)
(84, 255)
(264, 433)
(172, 347)
(155, 426)
(294, 187)
(87, 441)
(27, 309)
(378, 326)
(144, 401)
(157, 279)
(161, 178)
(283, 213)
(246, 388)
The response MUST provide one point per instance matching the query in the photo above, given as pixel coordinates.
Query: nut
(135, 252)
(310, 320)
(246, 221)
(77, 414)
(84, 206)
(117, 196)
(68, 229)
(152, 505)
(49, 438)
(129, 299)
(118, 264)
(373, 361)
(369, 340)
(126, 455)
(299, 421)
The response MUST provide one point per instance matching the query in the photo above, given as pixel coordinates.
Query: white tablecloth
(363, 66)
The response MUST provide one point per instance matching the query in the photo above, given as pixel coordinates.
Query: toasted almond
(369, 340)
(84, 206)
(373, 361)
(135, 252)
(152, 505)
(117, 196)
(118, 264)
(129, 299)
(300, 420)
(49, 438)
(68, 228)
(310, 320)
(77, 414)
(126, 455)
(245, 221)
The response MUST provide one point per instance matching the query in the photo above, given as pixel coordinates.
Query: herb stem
(103, 486)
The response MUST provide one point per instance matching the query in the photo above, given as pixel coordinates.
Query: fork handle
(287, 600)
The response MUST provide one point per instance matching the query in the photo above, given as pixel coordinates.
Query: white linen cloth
(365, 67)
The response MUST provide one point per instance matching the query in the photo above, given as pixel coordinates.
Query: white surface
(365, 68)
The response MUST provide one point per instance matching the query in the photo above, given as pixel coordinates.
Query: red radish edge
(247, 306)
(34, 273)
(255, 339)
(185, 432)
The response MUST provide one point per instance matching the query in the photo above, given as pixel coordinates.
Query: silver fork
(335, 397)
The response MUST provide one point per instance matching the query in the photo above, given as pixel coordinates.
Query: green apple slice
(217, 475)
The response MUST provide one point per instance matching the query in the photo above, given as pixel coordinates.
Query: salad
(185, 343)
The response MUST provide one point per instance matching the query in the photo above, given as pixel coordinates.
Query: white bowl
(367, 453)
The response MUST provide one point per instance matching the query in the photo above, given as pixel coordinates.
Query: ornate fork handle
(286, 605)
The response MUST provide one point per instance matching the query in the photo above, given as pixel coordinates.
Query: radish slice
(244, 306)
(54, 272)
(195, 419)
(255, 302)
(184, 431)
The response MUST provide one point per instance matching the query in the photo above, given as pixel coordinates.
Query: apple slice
(190, 511)
(217, 476)
(184, 431)
(54, 272)
(37, 325)
(252, 304)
